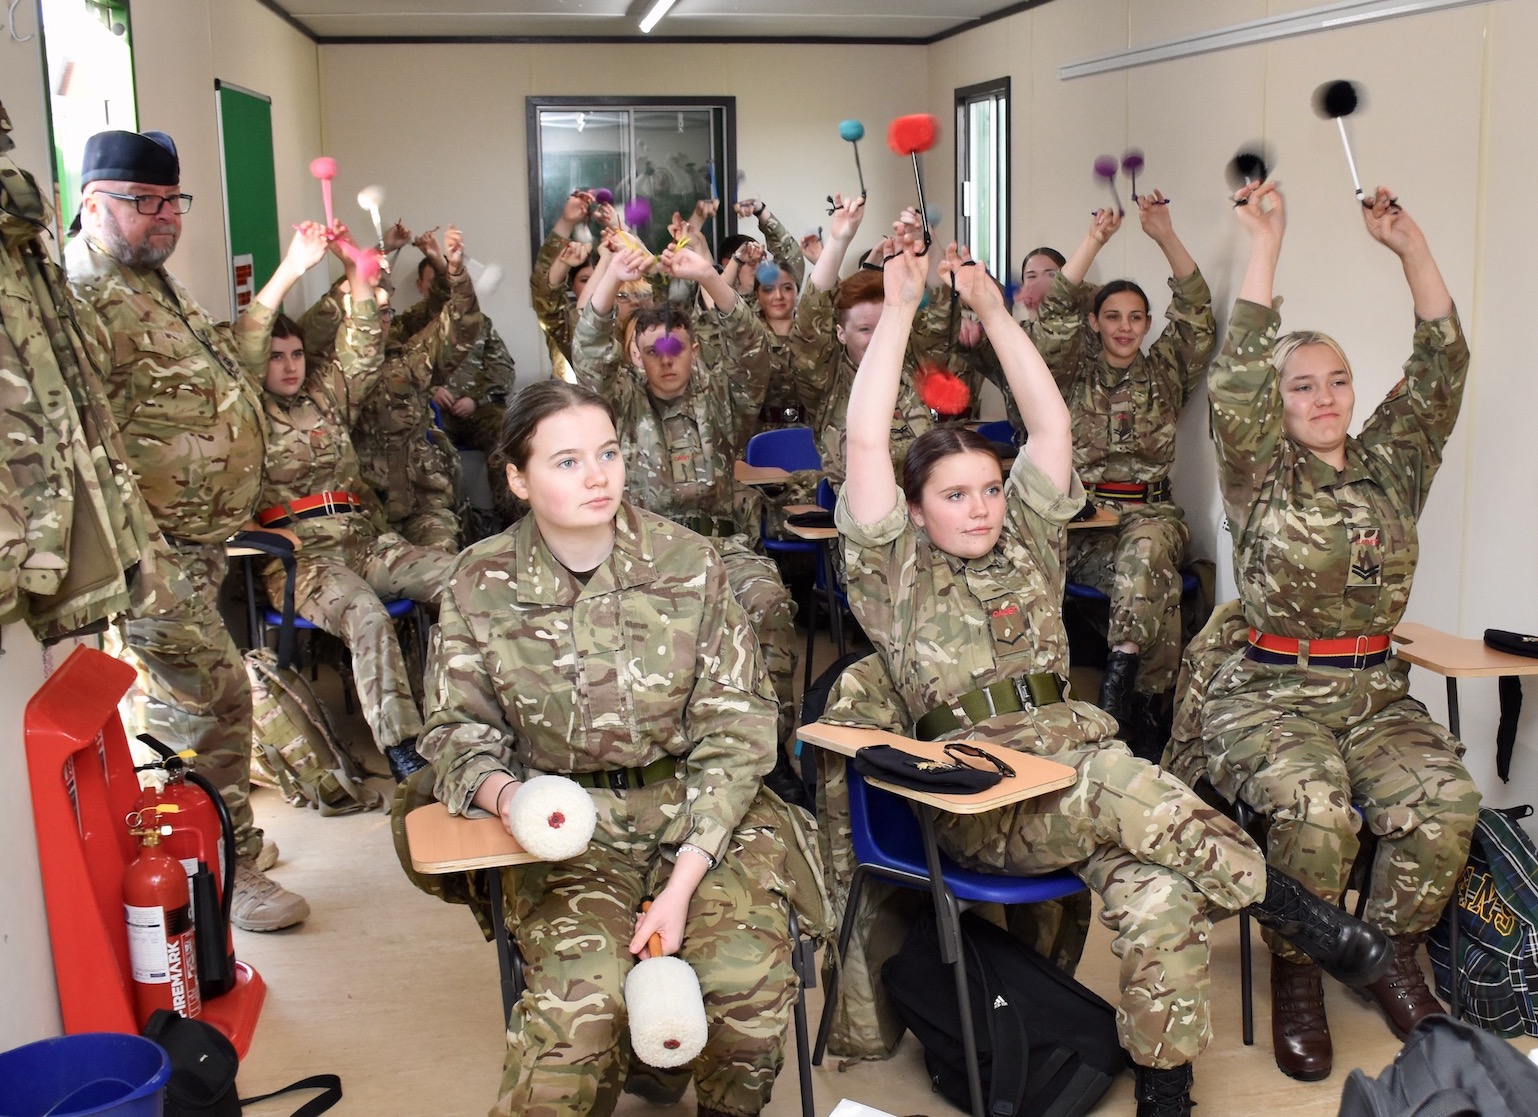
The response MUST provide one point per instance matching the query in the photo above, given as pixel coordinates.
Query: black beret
(147, 157)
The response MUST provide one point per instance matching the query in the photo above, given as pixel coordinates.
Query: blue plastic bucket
(95, 1074)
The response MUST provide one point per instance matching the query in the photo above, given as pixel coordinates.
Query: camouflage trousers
(192, 691)
(1160, 860)
(1137, 564)
(1302, 745)
(759, 589)
(342, 594)
(568, 1050)
(418, 482)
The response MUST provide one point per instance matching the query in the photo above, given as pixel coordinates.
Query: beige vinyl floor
(398, 993)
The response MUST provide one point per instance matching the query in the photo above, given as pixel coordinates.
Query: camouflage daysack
(294, 746)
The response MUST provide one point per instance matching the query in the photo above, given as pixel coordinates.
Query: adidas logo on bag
(1000, 1002)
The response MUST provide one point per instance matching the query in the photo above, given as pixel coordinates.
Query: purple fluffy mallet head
(638, 211)
(668, 346)
(603, 196)
(1131, 165)
(1105, 168)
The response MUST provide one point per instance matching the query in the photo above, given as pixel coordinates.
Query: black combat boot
(1163, 1093)
(1349, 950)
(655, 1085)
(404, 759)
(1116, 691)
(784, 782)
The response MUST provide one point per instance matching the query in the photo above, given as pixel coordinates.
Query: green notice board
(250, 190)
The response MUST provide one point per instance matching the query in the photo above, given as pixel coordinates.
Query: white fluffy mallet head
(371, 199)
(667, 1012)
(552, 817)
(485, 278)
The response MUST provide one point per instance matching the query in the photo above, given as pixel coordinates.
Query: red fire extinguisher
(202, 838)
(162, 948)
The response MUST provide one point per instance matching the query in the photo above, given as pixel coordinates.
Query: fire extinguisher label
(148, 955)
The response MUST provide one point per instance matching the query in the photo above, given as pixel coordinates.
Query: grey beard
(144, 256)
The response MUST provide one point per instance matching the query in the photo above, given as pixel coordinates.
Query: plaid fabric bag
(1496, 904)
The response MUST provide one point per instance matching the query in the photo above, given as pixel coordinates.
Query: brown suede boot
(1402, 993)
(1300, 1034)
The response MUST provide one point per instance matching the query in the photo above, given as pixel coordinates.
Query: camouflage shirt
(309, 449)
(680, 454)
(553, 307)
(824, 375)
(1320, 553)
(1124, 418)
(945, 626)
(533, 672)
(190, 415)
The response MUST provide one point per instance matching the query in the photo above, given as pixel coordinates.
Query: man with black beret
(191, 420)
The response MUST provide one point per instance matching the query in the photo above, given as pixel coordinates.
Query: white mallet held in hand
(667, 1010)
(552, 817)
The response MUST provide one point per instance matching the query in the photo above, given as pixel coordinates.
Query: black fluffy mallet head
(1251, 164)
(1335, 99)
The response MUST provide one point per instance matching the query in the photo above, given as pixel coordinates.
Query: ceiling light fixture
(653, 17)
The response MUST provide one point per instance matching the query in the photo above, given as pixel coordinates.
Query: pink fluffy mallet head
(1105, 170)
(323, 167)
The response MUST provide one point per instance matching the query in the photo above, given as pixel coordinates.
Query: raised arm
(253, 330)
(1153, 211)
(871, 485)
(1102, 227)
(847, 216)
(1260, 211)
(1030, 381)
(1389, 225)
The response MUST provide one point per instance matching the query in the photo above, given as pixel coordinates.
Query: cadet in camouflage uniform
(348, 561)
(682, 426)
(1324, 550)
(191, 421)
(834, 320)
(959, 588)
(1125, 406)
(409, 464)
(656, 700)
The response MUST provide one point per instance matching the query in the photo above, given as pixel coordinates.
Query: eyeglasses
(150, 205)
(958, 749)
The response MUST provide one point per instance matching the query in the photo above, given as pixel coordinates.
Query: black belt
(1132, 492)
(1011, 696)
(625, 779)
(710, 527)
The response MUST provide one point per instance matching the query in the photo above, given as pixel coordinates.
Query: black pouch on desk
(203, 1069)
(1509, 687)
(893, 765)
(1513, 642)
(823, 518)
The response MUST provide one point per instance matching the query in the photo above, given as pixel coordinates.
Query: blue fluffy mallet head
(851, 130)
(768, 273)
(933, 214)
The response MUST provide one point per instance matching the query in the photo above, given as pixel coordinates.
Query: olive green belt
(626, 779)
(1011, 696)
(710, 527)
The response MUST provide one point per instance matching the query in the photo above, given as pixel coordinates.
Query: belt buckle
(1023, 692)
(618, 779)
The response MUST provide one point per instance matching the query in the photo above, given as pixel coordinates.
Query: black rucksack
(1058, 1051)
(1446, 1069)
(1496, 905)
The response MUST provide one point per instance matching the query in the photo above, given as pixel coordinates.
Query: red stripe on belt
(1333, 646)
(322, 503)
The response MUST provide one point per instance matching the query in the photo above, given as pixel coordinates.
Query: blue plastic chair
(1001, 431)
(889, 842)
(825, 589)
(788, 448)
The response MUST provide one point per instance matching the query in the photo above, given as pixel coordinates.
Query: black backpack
(1446, 1069)
(1021, 1005)
(1496, 905)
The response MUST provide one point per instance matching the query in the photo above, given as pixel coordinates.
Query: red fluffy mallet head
(323, 167)
(942, 391)
(910, 134)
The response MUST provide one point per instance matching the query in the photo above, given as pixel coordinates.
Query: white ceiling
(901, 20)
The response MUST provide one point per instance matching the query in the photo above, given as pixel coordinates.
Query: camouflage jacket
(782, 246)
(553, 308)
(1124, 418)
(77, 541)
(824, 375)
(945, 626)
(533, 672)
(485, 375)
(309, 449)
(680, 454)
(1319, 553)
(398, 409)
(190, 414)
